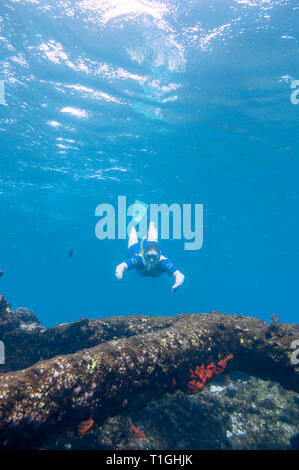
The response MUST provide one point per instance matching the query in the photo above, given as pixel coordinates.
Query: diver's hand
(179, 279)
(120, 269)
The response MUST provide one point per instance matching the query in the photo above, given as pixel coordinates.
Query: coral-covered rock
(27, 342)
(13, 319)
(25, 315)
(148, 357)
(245, 413)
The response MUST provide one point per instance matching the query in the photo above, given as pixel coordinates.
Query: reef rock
(243, 412)
(145, 358)
(27, 342)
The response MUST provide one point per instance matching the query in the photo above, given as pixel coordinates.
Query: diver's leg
(133, 238)
(152, 234)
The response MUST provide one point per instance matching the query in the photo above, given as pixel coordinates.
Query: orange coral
(85, 426)
(137, 431)
(201, 374)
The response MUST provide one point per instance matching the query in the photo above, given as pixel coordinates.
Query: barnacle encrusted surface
(140, 363)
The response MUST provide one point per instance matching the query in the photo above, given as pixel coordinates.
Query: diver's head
(151, 255)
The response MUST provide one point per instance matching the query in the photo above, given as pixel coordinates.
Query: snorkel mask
(151, 255)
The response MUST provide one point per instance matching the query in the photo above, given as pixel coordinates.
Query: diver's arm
(120, 269)
(172, 270)
(179, 279)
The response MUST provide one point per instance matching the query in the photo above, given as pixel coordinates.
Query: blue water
(183, 102)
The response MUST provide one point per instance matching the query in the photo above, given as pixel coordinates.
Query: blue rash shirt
(135, 261)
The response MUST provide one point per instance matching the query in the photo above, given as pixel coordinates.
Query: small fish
(71, 252)
(1, 273)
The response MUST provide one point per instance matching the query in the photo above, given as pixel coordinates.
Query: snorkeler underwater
(149, 227)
